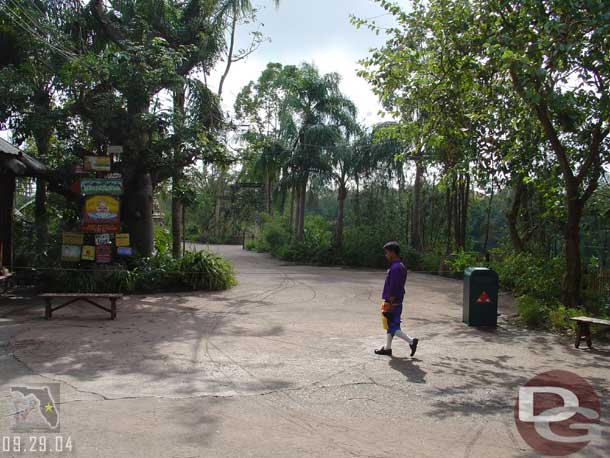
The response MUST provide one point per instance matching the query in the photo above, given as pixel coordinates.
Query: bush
(163, 240)
(532, 312)
(363, 246)
(458, 262)
(316, 246)
(526, 273)
(159, 273)
(252, 245)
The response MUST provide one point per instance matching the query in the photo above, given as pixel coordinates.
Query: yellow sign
(122, 240)
(72, 238)
(101, 210)
(97, 163)
(88, 253)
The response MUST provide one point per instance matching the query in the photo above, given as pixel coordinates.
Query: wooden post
(7, 196)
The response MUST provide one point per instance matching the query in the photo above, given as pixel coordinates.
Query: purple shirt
(395, 282)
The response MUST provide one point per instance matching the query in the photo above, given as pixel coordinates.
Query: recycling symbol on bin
(484, 298)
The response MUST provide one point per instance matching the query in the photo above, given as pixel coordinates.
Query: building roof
(17, 162)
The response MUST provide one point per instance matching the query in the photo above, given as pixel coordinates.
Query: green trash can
(480, 297)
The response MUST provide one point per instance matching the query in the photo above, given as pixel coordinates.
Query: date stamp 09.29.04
(34, 411)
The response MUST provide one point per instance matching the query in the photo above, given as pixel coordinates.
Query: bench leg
(588, 336)
(579, 332)
(113, 309)
(48, 311)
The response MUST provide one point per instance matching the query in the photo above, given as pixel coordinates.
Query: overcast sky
(314, 31)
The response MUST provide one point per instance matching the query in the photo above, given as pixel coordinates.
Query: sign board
(101, 228)
(97, 163)
(122, 239)
(72, 238)
(88, 253)
(102, 239)
(101, 210)
(70, 253)
(91, 186)
(103, 254)
(124, 251)
(114, 176)
(115, 149)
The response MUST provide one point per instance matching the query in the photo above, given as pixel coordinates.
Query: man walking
(393, 295)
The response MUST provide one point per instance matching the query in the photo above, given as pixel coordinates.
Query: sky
(313, 31)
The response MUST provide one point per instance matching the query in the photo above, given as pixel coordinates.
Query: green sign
(92, 186)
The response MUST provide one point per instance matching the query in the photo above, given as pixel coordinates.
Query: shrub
(526, 273)
(195, 271)
(531, 311)
(163, 240)
(458, 262)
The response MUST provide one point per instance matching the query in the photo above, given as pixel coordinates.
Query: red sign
(484, 298)
(103, 254)
(101, 228)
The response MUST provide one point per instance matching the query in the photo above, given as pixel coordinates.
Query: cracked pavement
(282, 366)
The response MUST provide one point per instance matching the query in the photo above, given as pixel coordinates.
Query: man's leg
(387, 348)
(404, 336)
(410, 340)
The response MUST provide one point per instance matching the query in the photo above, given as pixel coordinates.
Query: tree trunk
(7, 198)
(138, 211)
(341, 196)
(513, 216)
(41, 219)
(301, 207)
(219, 201)
(179, 94)
(573, 274)
(177, 208)
(416, 230)
(488, 221)
(449, 209)
(291, 218)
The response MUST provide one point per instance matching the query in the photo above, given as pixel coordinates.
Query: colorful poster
(101, 228)
(70, 253)
(88, 253)
(97, 163)
(102, 239)
(72, 238)
(101, 210)
(93, 186)
(103, 254)
(124, 251)
(122, 239)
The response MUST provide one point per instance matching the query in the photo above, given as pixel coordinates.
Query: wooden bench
(74, 297)
(584, 328)
(5, 281)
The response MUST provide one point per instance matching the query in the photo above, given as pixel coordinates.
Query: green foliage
(163, 241)
(532, 311)
(527, 273)
(458, 262)
(315, 248)
(203, 271)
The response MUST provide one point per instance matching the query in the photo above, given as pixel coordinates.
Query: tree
(35, 53)
(134, 51)
(555, 53)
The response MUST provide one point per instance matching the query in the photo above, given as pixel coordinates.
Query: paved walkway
(282, 366)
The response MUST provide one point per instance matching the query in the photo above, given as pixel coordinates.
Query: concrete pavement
(283, 366)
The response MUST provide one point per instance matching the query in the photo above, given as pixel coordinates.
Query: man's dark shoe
(383, 351)
(414, 346)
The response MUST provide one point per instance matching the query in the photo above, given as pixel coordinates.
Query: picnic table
(584, 328)
(90, 298)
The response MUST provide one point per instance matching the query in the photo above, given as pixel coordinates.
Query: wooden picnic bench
(584, 328)
(85, 297)
(5, 281)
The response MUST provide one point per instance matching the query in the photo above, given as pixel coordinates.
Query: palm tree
(320, 112)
